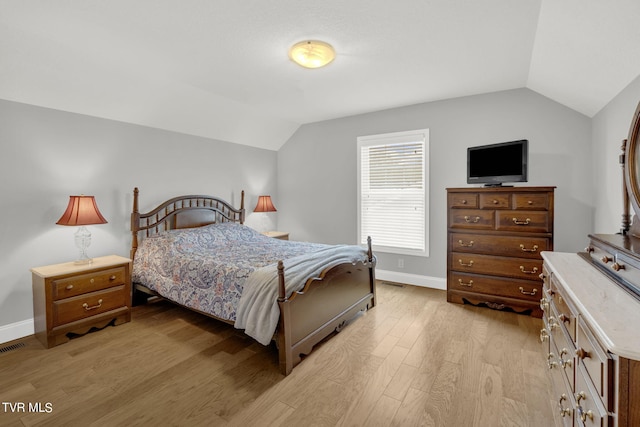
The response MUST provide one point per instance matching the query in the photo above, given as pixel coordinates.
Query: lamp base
(83, 240)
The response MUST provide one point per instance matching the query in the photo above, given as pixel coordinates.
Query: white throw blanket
(258, 310)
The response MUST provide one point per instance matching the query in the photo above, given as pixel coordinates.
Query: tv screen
(496, 164)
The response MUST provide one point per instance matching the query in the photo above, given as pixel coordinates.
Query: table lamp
(81, 211)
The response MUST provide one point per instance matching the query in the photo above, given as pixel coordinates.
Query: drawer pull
(69, 287)
(565, 362)
(606, 259)
(589, 249)
(470, 264)
(564, 318)
(617, 267)
(584, 415)
(463, 202)
(534, 271)
(112, 277)
(580, 396)
(564, 412)
(552, 364)
(468, 285)
(582, 353)
(494, 201)
(533, 249)
(553, 323)
(519, 222)
(465, 245)
(93, 307)
(523, 292)
(468, 219)
(544, 304)
(544, 335)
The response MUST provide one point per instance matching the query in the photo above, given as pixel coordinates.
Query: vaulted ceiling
(219, 69)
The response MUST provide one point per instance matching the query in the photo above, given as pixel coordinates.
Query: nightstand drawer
(87, 305)
(81, 284)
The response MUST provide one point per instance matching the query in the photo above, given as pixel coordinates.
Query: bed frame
(308, 316)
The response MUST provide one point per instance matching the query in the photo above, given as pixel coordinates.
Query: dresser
(591, 342)
(70, 298)
(495, 237)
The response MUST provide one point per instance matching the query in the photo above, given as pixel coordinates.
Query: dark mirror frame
(632, 175)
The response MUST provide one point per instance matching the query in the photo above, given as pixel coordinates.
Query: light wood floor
(413, 360)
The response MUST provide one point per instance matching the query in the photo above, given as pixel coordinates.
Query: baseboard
(16, 330)
(412, 279)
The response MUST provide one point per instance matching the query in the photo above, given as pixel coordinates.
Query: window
(392, 191)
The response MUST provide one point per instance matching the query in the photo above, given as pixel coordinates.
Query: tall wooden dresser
(495, 237)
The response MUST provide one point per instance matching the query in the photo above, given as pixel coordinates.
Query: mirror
(632, 173)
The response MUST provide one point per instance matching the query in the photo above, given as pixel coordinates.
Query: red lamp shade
(265, 205)
(82, 210)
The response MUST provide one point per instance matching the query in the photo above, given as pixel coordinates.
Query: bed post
(285, 353)
(135, 223)
(242, 207)
(372, 271)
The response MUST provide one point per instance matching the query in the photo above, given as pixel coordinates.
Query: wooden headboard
(181, 212)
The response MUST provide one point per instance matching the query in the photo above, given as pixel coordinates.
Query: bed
(196, 251)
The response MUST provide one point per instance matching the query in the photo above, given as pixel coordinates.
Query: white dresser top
(611, 312)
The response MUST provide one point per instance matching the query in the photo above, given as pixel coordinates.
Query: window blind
(392, 192)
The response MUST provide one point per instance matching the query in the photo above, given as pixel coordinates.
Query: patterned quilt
(206, 268)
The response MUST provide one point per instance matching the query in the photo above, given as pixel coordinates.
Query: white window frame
(364, 142)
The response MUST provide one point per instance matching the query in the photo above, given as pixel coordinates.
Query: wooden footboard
(321, 307)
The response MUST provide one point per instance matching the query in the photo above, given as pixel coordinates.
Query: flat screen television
(495, 164)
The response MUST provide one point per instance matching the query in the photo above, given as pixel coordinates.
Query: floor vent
(8, 348)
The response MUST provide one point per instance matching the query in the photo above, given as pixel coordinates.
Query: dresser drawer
(589, 410)
(472, 218)
(595, 361)
(563, 309)
(87, 305)
(523, 221)
(514, 246)
(566, 350)
(495, 201)
(531, 201)
(490, 285)
(463, 200)
(95, 281)
(519, 268)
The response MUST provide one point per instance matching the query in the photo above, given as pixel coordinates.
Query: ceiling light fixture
(312, 53)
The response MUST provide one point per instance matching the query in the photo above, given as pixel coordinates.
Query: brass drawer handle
(523, 292)
(533, 249)
(606, 259)
(469, 220)
(466, 245)
(69, 287)
(551, 363)
(564, 412)
(470, 264)
(519, 222)
(93, 307)
(544, 335)
(112, 277)
(468, 285)
(544, 304)
(534, 271)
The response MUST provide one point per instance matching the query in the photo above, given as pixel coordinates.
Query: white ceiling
(219, 69)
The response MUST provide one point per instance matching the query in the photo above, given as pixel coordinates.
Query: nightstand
(70, 298)
(282, 235)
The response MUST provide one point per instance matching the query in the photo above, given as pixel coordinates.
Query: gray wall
(48, 155)
(610, 127)
(317, 167)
